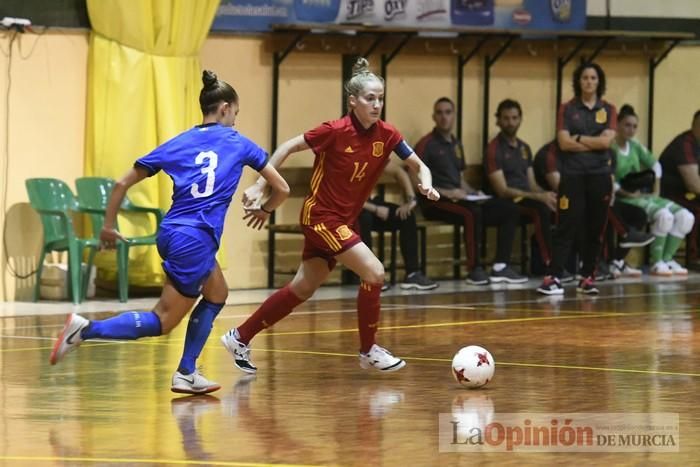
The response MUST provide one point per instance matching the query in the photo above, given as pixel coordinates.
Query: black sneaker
(507, 275)
(587, 286)
(478, 276)
(636, 238)
(566, 277)
(550, 286)
(416, 280)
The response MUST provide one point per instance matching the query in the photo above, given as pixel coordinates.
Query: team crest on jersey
(563, 203)
(378, 149)
(601, 116)
(343, 232)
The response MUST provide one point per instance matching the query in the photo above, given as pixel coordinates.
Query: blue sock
(129, 325)
(198, 330)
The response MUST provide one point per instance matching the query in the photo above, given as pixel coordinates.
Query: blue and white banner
(541, 14)
(259, 15)
(316, 11)
(252, 15)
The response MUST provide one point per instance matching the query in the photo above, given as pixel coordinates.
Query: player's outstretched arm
(258, 215)
(109, 235)
(425, 179)
(253, 195)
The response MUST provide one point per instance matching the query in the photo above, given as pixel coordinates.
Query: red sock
(276, 307)
(368, 313)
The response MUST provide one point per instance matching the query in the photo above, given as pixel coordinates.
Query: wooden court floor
(633, 349)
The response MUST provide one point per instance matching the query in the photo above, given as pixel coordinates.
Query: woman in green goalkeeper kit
(670, 222)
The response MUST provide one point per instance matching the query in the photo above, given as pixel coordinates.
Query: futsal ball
(473, 367)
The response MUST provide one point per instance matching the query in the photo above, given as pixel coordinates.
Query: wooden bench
(298, 180)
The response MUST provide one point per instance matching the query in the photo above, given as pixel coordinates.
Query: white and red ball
(473, 366)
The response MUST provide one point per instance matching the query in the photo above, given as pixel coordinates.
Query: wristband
(265, 210)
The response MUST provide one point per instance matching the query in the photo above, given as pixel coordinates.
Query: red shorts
(327, 240)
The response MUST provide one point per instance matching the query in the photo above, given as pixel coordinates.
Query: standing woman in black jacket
(585, 130)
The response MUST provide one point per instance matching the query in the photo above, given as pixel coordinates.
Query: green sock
(672, 245)
(656, 250)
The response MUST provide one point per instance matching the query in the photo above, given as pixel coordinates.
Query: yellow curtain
(144, 79)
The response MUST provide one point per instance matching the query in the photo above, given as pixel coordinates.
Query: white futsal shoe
(69, 338)
(661, 269)
(239, 351)
(381, 359)
(676, 268)
(194, 383)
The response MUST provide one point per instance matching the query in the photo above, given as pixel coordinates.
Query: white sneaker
(661, 269)
(69, 338)
(195, 383)
(381, 359)
(622, 269)
(239, 351)
(676, 268)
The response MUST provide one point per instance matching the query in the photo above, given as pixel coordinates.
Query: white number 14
(213, 159)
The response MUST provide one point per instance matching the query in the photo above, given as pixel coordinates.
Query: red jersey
(349, 161)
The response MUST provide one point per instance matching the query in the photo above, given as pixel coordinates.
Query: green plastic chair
(93, 196)
(55, 203)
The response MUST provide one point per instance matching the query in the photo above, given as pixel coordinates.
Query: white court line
(42, 338)
(38, 338)
(393, 307)
(34, 326)
(473, 305)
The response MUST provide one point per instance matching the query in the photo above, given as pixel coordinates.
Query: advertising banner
(259, 15)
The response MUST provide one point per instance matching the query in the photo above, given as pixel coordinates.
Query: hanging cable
(6, 166)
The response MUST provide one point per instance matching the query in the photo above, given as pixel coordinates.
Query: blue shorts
(189, 256)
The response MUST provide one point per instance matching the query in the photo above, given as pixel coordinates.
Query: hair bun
(209, 78)
(360, 66)
(628, 109)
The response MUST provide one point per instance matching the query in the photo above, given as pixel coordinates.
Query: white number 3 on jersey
(213, 160)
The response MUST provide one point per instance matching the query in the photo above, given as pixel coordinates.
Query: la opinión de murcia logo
(558, 434)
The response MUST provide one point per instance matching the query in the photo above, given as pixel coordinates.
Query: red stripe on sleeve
(420, 147)
(688, 152)
(551, 160)
(491, 161)
(560, 117)
(612, 119)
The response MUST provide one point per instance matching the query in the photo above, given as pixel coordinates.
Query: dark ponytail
(214, 92)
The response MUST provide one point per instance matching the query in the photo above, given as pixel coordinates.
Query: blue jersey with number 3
(205, 164)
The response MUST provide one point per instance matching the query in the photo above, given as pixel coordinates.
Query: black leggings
(583, 206)
(499, 212)
(408, 236)
(622, 216)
